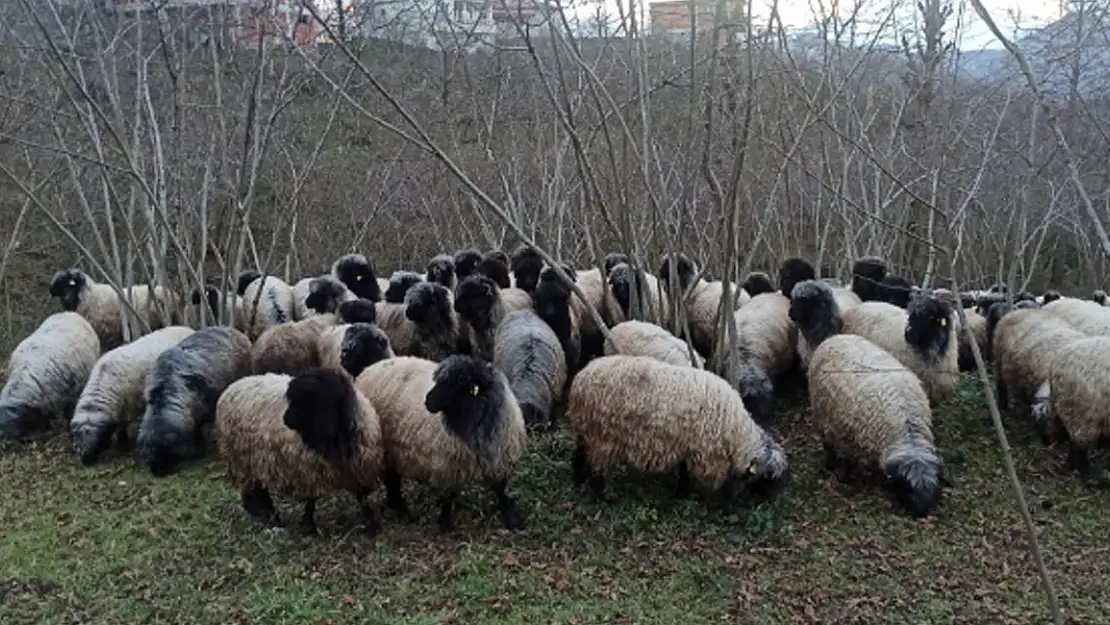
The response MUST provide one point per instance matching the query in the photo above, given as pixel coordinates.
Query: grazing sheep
(181, 393)
(446, 425)
(267, 301)
(528, 353)
(466, 263)
(552, 302)
(441, 271)
(767, 340)
(526, 265)
(870, 410)
(703, 302)
(45, 375)
(293, 348)
(101, 307)
(399, 284)
(481, 305)
(655, 417)
(1024, 344)
(640, 338)
(1079, 396)
(231, 307)
(113, 396)
(1088, 317)
(428, 307)
(758, 283)
(867, 276)
(305, 437)
(355, 271)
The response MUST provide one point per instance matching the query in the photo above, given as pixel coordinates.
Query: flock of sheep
(345, 381)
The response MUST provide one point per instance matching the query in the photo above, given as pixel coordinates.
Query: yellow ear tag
(474, 390)
(72, 283)
(943, 322)
(753, 467)
(358, 278)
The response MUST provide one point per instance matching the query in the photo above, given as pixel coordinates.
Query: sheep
(552, 302)
(320, 295)
(446, 425)
(655, 417)
(618, 298)
(466, 263)
(1050, 296)
(1079, 397)
(355, 271)
(640, 338)
(441, 270)
(528, 353)
(767, 340)
(399, 284)
(757, 283)
(423, 325)
(113, 396)
(1086, 316)
(922, 338)
(703, 301)
(496, 269)
(293, 348)
(1099, 297)
(978, 325)
(181, 393)
(300, 294)
(352, 347)
(592, 284)
(231, 306)
(895, 290)
(612, 259)
(870, 410)
(305, 437)
(867, 276)
(46, 372)
(1024, 343)
(266, 300)
(100, 305)
(481, 305)
(526, 265)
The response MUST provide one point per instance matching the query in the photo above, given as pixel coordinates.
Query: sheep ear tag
(753, 467)
(72, 283)
(358, 278)
(943, 322)
(474, 390)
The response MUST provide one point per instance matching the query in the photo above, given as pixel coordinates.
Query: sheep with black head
(466, 263)
(526, 265)
(399, 284)
(428, 308)
(305, 437)
(1050, 296)
(481, 306)
(266, 300)
(867, 276)
(758, 283)
(552, 302)
(355, 271)
(870, 410)
(446, 425)
(702, 302)
(99, 304)
(495, 269)
(441, 271)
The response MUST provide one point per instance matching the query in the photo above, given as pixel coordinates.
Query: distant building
(676, 19)
(435, 24)
(225, 22)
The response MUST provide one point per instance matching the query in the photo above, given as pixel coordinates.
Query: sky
(799, 14)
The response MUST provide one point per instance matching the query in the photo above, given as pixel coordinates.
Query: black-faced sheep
(654, 417)
(612, 259)
(1050, 296)
(352, 347)
(526, 265)
(869, 409)
(1079, 397)
(640, 338)
(481, 305)
(428, 307)
(231, 307)
(1099, 297)
(767, 340)
(266, 300)
(758, 283)
(703, 302)
(446, 425)
(293, 348)
(466, 263)
(113, 396)
(652, 302)
(441, 271)
(896, 290)
(355, 271)
(318, 296)
(867, 276)
(181, 393)
(46, 372)
(305, 437)
(101, 307)
(496, 269)
(527, 351)
(552, 302)
(399, 284)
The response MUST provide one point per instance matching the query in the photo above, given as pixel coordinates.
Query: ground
(110, 544)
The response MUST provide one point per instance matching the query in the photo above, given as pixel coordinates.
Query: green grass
(109, 544)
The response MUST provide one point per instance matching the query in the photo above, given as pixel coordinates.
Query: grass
(110, 544)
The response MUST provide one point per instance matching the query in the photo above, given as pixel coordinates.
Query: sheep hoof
(512, 521)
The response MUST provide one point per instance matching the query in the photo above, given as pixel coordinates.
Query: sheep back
(289, 348)
(1088, 317)
(528, 353)
(640, 338)
(267, 301)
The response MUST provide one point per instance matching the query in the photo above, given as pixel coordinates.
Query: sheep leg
(447, 512)
(1003, 394)
(259, 505)
(684, 490)
(729, 494)
(123, 441)
(1079, 460)
(832, 461)
(308, 519)
(580, 464)
(395, 498)
(596, 485)
(510, 517)
(369, 518)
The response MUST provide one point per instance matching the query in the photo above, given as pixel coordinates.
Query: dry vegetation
(137, 153)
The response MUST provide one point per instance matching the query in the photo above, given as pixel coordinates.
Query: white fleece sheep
(46, 372)
(305, 437)
(266, 301)
(446, 425)
(101, 307)
(113, 396)
(181, 393)
(527, 351)
(870, 409)
(702, 303)
(1086, 316)
(640, 338)
(655, 417)
(1080, 395)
